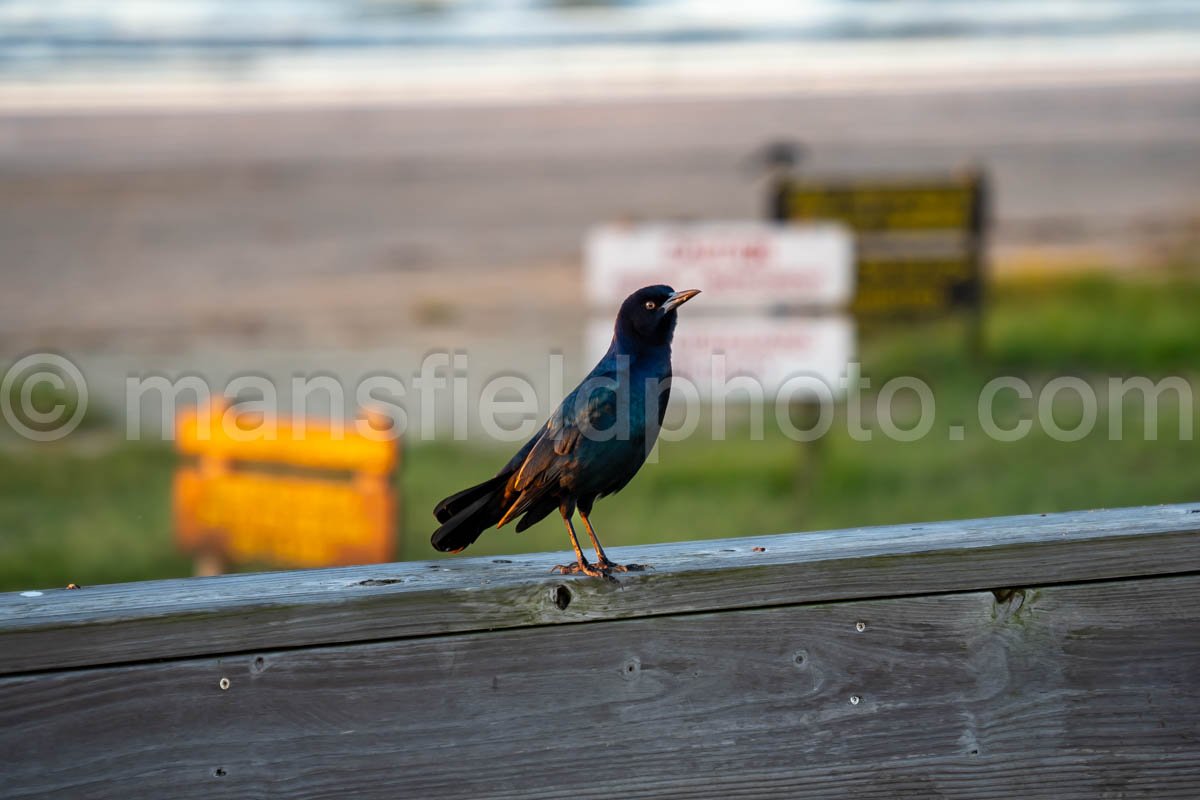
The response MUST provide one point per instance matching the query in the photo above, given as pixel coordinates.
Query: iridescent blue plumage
(591, 446)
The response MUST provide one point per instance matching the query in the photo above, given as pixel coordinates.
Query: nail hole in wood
(219, 772)
(259, 664)
(562, 597)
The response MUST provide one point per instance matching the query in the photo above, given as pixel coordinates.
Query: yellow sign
(891, 284)
(885, 207)
(919, 242)
(268, 491)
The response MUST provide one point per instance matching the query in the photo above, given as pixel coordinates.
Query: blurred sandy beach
(340, 225)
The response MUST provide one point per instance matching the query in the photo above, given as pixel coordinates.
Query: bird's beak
(679, 298)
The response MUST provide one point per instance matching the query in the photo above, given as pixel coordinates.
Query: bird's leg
(601, 559)
(581, 564)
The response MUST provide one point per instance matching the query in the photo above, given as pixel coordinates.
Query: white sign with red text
(735, 264)
(789, 353)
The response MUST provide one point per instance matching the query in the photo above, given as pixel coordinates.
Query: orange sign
(268, 491)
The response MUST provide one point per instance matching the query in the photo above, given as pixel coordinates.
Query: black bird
(591, 446)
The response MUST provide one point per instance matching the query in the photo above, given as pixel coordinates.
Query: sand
(354, 226)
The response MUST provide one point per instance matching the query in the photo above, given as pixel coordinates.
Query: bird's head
(648, 316)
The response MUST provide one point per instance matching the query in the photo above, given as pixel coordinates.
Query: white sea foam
(101, 53)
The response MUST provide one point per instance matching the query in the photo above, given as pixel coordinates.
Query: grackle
(591, 446)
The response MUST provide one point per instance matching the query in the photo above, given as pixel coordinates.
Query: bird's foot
(580, 568)
(608, 566)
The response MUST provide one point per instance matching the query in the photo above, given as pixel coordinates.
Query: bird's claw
(580, 568)
(608, 566)
(603, 568)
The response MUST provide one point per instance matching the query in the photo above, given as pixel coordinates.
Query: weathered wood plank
(1067, 692)
(171, 619)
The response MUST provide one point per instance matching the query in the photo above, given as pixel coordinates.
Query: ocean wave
(41, 40)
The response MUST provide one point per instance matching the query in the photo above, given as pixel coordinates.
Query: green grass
(66, 515)
(1098, 323)
(88, 518)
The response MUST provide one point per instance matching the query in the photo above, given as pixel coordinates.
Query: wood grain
(173, 619)
(1077, 691)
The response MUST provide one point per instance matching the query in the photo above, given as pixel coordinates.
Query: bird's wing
(560, 438)
(554, 450)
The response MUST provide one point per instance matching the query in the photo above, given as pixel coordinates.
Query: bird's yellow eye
(651, 305)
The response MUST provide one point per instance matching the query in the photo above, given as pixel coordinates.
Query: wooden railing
(1053, 656)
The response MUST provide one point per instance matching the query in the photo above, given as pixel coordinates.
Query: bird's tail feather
(454, 504)
(465, 515)
(538, 513)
